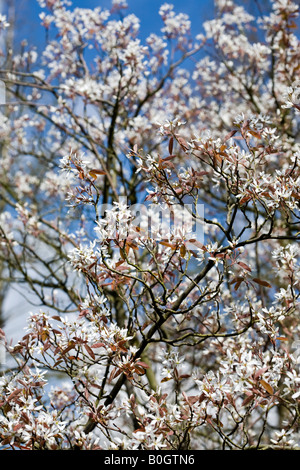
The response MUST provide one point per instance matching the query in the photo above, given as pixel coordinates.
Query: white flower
(3, 23)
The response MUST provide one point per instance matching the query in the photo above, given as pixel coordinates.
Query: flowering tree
(150, 206)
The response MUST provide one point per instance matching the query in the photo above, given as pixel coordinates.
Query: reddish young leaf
(89, 351)
(98, 345)
(94, 173)
(260, 372)
(184, 376)
(237, 285)
(170, 157)
(197, 244)
(139, 370)
(68, 348)
(229, 135)
(245, 199)
(266, 386)
(248, 400)
(143, 364)
(245, 266)
(171, 141)
(183, 143)
(236, 279)
(261, 282)
(182, 251)
(255, 134)
(150, 196)
(16, 392)
(170, 245)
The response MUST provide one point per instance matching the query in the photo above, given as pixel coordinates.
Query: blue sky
(146, 10)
